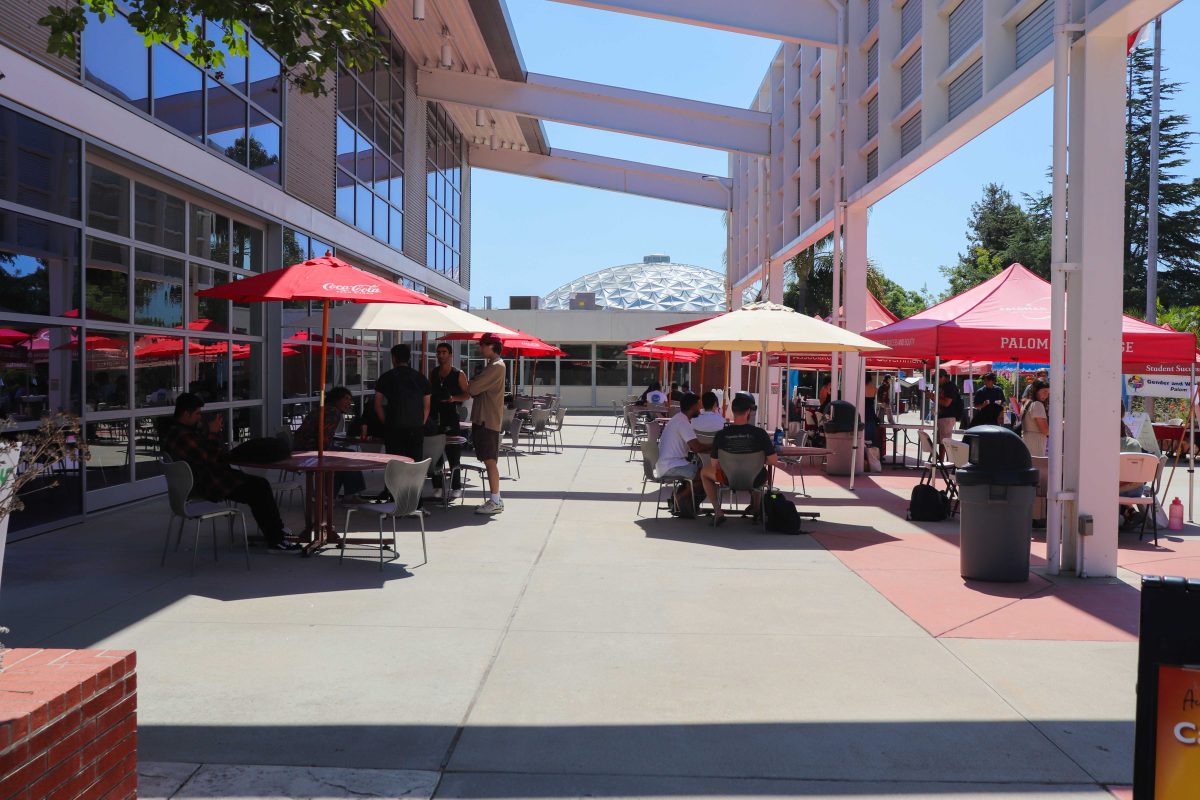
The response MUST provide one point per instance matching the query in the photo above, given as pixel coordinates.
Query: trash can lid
(998, 456)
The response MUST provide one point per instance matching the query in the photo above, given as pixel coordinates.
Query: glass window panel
(157, 370)
(158, 290)
(226, 122)
(108, 200)
(115, 59)
(430, 243)
(207, 313)
(39, 266)
(106, 361)
(108, 454)
(266, 86)
(610, 373)
(383, 137)
(381, 218)
(208, 368)
(40, 372)
(246, 318)
(396, 229)
(248, 247)
(345, 144)
(644, 372)
(246, 424)
(576, 368)
(320, 248)
(210, 235)
(147, 446)
(233, 70)
(39, 165)
(158, 218)
(295, 247)
(107, 276)
(178, 92)
(264, 146)
(397, 149)
(344, 197)
(364, 159)
(365, 208)
(296, 369)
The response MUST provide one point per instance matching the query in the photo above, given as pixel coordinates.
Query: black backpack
(780, 513)
(262, 450)
(927, 504)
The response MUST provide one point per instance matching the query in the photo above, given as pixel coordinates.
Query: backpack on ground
(780, 514)
(927, 504)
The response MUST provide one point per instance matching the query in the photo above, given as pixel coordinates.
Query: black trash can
(996, 490)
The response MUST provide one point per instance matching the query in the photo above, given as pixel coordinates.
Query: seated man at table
(739, 438)
(202, 447)
(710, 420)
(338, 402)
(677, 442)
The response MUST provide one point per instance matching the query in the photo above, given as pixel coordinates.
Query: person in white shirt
(678, 440)
(710, 420)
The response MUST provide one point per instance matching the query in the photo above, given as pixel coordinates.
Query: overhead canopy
(768, 327)
(1007, 318)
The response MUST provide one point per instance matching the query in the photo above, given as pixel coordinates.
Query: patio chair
(536, 429)
(1145, 469)
(507, 417)
(433, 450)
(798, 440)
(636, 424)
(936, 466)
(649, 459)
(960, 454)
(554, 427)
(179, 487)
(740, 471)
(617, 413)
(404, 481)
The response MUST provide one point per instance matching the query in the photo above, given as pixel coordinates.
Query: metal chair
(512, 448)
(539, 419)
(741, 470)
(179, 487)
(433, 450)
(555, 425)
(936, 465)
(960, 454)
(1145, 469)
(798, 462)
(404, 481)
(649, 459)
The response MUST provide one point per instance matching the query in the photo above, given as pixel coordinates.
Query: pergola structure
(861, 97)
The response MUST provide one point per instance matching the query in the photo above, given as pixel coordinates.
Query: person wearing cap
(675, 446)
(989, 402)
(739, 438)
(487, 416)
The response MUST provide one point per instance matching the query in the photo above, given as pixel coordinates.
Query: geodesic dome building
(654, 284)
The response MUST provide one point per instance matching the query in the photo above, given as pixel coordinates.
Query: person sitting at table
(677, 443)
(338, 402)
(739, 438)
(988, 402)
(710, 420)
(653, 396)
(202, 447)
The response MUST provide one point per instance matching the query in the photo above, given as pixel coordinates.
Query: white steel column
(1096, 223)
(854, 295)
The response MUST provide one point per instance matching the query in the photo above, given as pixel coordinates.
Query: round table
(318, 472)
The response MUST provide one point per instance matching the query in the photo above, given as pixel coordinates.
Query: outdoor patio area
(570, 648)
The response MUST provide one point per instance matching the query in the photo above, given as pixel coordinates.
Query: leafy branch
(55, 440)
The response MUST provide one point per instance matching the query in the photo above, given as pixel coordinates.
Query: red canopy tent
(1007, 318)
(515, 343)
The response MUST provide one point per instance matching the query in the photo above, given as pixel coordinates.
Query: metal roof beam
(608, 108)
(611, 174)
(811, 22)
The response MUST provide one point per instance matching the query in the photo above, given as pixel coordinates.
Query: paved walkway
(569, 648)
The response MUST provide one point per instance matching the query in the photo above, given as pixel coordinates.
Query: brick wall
(311, 147)
(19, 29)
(68, 725)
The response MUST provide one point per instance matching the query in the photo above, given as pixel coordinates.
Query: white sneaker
(455, 494)
(490, 507)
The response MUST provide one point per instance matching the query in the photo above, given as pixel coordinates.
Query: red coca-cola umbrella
(326, 278)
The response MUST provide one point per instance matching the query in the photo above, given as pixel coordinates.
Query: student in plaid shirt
(202, 447)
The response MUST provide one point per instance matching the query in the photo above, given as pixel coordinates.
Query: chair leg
(195, 548)
(214, 531)
(381, 541)
(424, 549)
(640, 498)
(346, 532)
(245, 537)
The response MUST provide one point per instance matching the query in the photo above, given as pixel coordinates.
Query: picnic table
(318, 473)
(896, 428)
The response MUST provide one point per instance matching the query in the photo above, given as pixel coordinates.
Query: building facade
(130, 179)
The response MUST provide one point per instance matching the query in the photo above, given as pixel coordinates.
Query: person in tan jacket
(487, 415)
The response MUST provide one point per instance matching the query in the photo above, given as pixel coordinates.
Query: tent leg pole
(854, 454)
(1192, 446)
(937, 399)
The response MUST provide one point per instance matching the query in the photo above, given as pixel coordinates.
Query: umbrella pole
(321, 396)
(725, 388)
(700, 386)
(854, 454)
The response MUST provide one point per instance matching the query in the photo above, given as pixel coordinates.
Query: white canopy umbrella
(772, 328)
(392, 317)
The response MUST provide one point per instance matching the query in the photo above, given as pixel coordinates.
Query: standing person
(870, 421)
(487, 416)
(338, 402)
(950, 408)
(677, 442)
(203, 448)
(738, 438)
(989, 402)
(1035, 422)
(1039, 377)
(883, 401)
(402, 402)
(448, 383)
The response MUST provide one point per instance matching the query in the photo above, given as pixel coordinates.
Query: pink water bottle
(1175, 515)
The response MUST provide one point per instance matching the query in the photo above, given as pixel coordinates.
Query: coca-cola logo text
(358, 288)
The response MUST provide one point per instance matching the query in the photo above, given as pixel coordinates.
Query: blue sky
(530, 236)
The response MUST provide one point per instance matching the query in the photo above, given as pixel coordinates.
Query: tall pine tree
(1178, 197)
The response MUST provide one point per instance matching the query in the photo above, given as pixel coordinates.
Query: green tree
(1001, 232)
(307, 35)
(810, 285)
(1178, 198)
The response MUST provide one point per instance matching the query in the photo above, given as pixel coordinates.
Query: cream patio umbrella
(772, 328)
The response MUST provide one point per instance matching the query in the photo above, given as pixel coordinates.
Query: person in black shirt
(402, 402)
(676, 395)
(950, 408)
(739, 438)
(447, 382)
(989, 402)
